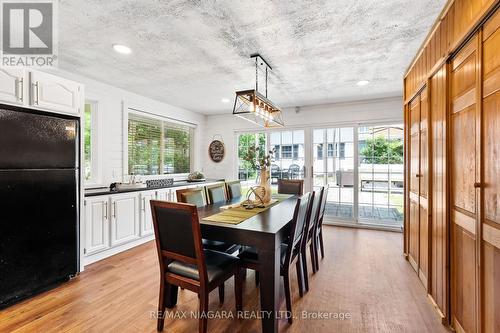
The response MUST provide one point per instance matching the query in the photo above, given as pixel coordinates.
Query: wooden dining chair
(216, 193)
(318, 234)
(290, 252)
(309, 235)
(185, 263)
(291, 186)
(234, 189)
(197, 197)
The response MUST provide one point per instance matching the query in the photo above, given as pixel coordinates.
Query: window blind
(157, 147)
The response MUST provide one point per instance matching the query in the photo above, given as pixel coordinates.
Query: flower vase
(265, 184)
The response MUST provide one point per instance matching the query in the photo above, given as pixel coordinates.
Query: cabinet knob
(417, 175)
(477, 185)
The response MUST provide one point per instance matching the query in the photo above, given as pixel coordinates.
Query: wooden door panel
(414, 144)
(463, 162)
(491, 287)
(464, 279)
(414, 233)
(423, 272)
(414, 163)
(439, 224)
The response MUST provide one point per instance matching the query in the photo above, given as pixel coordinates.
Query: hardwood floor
(363, 274)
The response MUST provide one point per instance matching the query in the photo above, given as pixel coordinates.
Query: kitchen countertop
(105, 190)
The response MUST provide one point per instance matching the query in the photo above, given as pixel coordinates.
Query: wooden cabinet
(419, 184)
(124, 218)
(146, 217)
(50, 92)
(459, 192)
(13, 82)
(96, 225)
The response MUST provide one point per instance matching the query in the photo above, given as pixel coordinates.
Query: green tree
(380, 150)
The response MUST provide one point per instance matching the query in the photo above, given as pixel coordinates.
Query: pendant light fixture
(255, 107)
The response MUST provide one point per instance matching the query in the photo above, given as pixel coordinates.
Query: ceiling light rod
(257, 56)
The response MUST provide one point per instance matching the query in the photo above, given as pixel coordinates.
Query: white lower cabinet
(117, 222)
(146, 217)
(96, 225)
(124, 218)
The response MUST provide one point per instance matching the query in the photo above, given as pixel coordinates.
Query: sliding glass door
(362, 165)
(381, 176)
(333, 166)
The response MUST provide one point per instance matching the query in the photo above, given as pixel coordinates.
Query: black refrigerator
(39, 196)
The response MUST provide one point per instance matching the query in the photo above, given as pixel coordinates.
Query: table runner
(237, 214)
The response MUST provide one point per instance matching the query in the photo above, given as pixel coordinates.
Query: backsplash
(156, 183)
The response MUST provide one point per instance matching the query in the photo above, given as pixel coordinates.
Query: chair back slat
(194, 196)
(315, 210)
(216, 193)
(233, 189)
(291, 186)
(297, 226)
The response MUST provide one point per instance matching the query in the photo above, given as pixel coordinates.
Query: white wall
(110, 123)
(379, 110)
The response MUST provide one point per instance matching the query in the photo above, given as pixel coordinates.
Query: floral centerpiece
(259, 160)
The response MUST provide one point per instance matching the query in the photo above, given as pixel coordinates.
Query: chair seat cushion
(218, 264)
(219, 246)
(250, 254)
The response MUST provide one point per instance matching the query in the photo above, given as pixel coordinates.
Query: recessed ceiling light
(122, 49)
(362, 83)
(225, 100)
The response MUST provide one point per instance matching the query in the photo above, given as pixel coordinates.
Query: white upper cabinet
(124, 218)
(52, 93)
(13, 86)
(146, 217)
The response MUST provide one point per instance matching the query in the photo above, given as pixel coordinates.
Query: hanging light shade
(255, 107)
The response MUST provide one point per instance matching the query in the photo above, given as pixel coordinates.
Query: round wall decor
(216, 150)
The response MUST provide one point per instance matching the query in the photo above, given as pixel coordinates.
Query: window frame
(95, 145)
(139, 112)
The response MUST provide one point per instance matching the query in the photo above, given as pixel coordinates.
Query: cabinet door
(146, 217)
(491, 179)
(164, 195)
(125, 219)
(414, 242)
(50, 92)
(12, 85)
(96, 225)
(465, 148)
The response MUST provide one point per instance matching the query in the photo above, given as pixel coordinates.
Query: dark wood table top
(270, 221)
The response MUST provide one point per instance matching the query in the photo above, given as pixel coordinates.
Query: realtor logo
(28, 33)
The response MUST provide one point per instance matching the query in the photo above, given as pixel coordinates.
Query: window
(286, 152)
(276, 152)
(90, 167)
(157, 147)
(330, 150)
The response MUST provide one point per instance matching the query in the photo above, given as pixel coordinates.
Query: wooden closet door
(414, 222)
(464, 174)
(491, 178)
(423, 178)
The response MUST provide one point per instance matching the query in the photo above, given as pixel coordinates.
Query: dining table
(265, 232)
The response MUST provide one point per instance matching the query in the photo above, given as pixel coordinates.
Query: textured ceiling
(194, 53)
